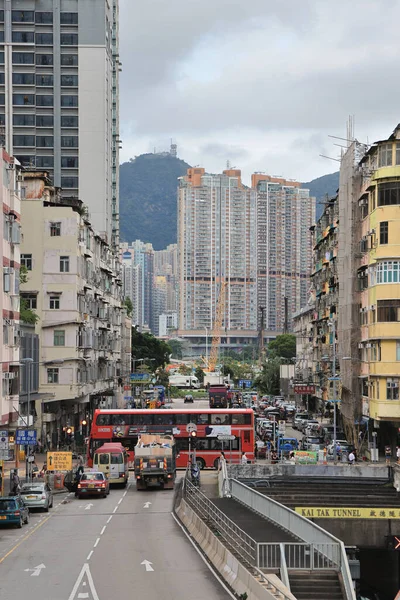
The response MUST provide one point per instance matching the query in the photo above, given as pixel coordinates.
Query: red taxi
(93, 484)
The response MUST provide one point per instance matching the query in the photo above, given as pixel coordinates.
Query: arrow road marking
(147, 505)
(147, 564)
(35, 572)
(88, 506)
(84, 580)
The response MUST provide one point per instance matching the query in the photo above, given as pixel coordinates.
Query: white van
(184, 381)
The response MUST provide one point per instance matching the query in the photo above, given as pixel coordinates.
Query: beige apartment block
(10, 176)
(74, 286)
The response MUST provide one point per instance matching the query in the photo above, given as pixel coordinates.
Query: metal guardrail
(243, 544)
(224, 488)
(298, 556)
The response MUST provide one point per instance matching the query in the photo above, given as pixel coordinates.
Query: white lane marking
(89, 556)
(83, 577)
(35, 572)
(88, 506)
(103, 530)
(109, 518)
(147, 505)
(96, 542)
(147, 565)
(217, 577)
(115, 509)
(124, 494)
(119, 501)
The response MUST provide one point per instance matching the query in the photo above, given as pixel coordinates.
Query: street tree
(283, 346)
(268, 381)
(147, 346)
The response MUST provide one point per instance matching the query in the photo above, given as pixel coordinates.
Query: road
(95, 549)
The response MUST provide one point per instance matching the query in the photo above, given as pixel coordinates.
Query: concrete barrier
(357, 471)
(240, 579)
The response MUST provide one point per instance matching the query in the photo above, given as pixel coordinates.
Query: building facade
(59, 70)
(285, 213)
(10, 185)
(216, 255)
(74, 287)
(138, 282)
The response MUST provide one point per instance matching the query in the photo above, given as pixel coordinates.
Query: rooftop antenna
(228, 164)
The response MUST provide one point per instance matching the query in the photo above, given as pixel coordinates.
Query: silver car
(37, 495)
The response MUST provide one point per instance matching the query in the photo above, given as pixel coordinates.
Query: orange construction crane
(219, 314)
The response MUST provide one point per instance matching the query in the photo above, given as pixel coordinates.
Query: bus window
(201, 419)
(219, 419)
(182, 444)
(202, 444)
(144, 419)
(103, 420)
(117, 459)
(247, 419)
(164, 419)
(246, 436)
(238, 419)
(118, 419)
(104, 459)
(182, 418)
(215, 444)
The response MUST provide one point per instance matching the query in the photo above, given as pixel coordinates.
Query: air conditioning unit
(8, 270)
(9, 375)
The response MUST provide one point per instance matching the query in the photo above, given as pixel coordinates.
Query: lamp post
(28, 362)
(334, 379)
(206, 347)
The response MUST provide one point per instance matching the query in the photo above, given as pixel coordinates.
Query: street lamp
(332, 324)
(206, 347)
(28, 362)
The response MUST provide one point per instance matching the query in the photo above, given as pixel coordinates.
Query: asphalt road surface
(127, 545)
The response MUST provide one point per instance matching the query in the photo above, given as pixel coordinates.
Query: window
(59, 337)
(44, 39)
(2, 99)
(389, 193)
(69, 101)
(388, 311)
(69, 80)
(23, 58)
(385, 155)
(2, 58)
(24, 120)
(2, 37)
(2, 78)
(44, 80)
(384, 232)
(69, 162)
(55, 229)
(1, 16)
(54, 302)
(69, 182)
(30, 300)
(388, 271)
(392, 388)
(44, 120)
(44, 60)
(220, 419)
(23, 78)
(2, 119)
(69, 60)
(44, 141)
(69, 18)
(22, 16)
(69, 39)
(398, 350)
(23, 37)
(69, 121)
(44, 162)
(52, 375)
(44, 100)
(26, 261)
(64, 264)
(23, 99)
(45, 18)
(26, 160)
(69, 141)
(24, 140)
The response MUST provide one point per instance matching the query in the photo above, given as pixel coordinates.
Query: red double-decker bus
(126, 425)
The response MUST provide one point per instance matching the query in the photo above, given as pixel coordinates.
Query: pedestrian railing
(224, 488)
(298, 556)
(238, 539)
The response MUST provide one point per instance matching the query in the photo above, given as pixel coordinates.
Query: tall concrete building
(59, 68)
(216, 245)
(138, 281)
(285, 213)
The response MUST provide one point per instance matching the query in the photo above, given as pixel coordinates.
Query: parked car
(93, 484)
(329, 431)
(37, 495)
(307, 423)
(13, 511)
(188, 398)
(299, 418)
(312, 443)
(345, 446)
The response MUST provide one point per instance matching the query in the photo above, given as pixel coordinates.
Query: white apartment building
(74, 287)
(138, 282)
(9, 292)
(59, 94)
(167, 324)
(217, 245)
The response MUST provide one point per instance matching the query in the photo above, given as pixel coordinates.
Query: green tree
(128, 305)
(283, 346)
(199, 373)
(27, 315)
(147, 346)
(268, 381)
(184, 370)
(176, 349)
(162, 377)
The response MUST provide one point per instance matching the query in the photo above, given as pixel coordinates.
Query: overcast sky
(261, 83)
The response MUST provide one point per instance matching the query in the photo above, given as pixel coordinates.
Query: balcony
(384, 410)
(382, 331)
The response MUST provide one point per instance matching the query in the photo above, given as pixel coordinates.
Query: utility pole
(261, 334)
(286, 321)
(334, 390)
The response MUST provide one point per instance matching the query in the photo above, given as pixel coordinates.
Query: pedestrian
(398, 454)
(15, 484)
(388, 454)
(244, 458)
(221, 460)
(48, 441)
(352, 458)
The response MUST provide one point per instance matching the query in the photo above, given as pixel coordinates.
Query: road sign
(127, 388)
(3, 440)
(140, 376)
(190, 427)
(59, 461)
(25, 437)
(304, 388)
(245, 383)
(226, 438)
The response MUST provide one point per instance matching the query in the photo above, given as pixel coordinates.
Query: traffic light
(84, 423)
(193, 434)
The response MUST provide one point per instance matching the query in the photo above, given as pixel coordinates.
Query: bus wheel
(200, 463)
(216, 463)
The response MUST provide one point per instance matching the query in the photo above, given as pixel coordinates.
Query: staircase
(315, 585)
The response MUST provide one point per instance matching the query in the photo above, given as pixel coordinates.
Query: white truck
(184, 381)
(216, 379)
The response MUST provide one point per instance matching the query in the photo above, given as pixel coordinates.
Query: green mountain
(320, 187)
(148, 198)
